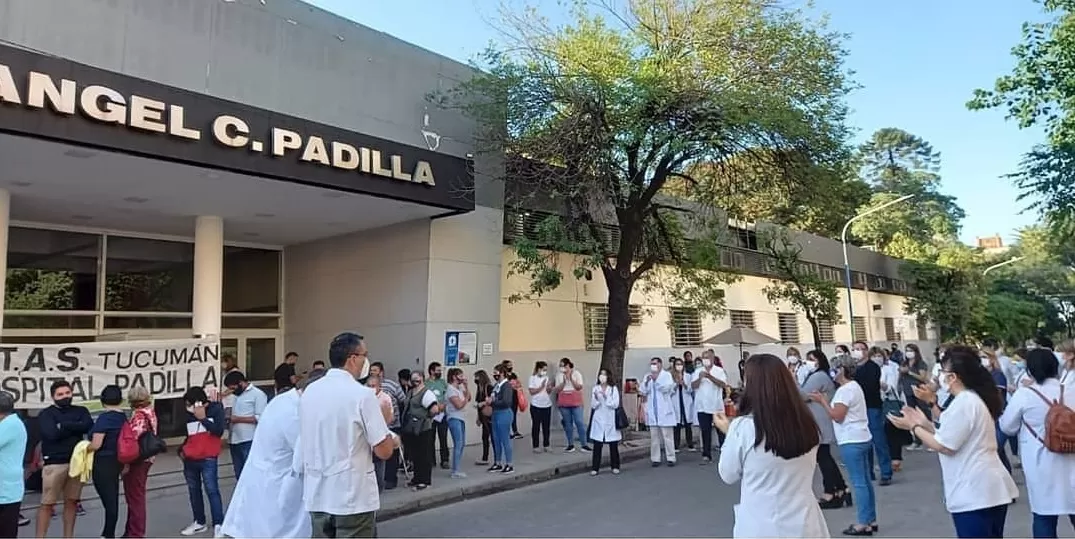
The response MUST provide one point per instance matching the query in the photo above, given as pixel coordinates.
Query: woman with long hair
(891, 400)
(977, 488)
(991, 362)
(852, 427)
(503, 400)
(1050, 476)
(604, 400)
(458, 398)
(913, 371)
(483, 393)
(770, 448)
(820, 381)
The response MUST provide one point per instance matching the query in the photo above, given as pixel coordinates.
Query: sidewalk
(166, 477)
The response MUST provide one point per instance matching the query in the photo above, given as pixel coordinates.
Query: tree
(1012, 313)
(599, 117)
(896, 163)
(949, 297)
(796, 284)
(1040, 91)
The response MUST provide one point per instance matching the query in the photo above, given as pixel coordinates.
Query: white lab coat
(689, 417)
(658, 393)
(267, 501)
(1050, 477)
(603, 406)
(776, 497)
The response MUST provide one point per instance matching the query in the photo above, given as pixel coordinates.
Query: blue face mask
(1019, 366)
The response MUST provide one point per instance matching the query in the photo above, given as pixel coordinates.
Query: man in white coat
(268, 502)
(657, 389)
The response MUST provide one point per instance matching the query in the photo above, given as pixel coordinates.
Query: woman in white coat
(657, 389)
(771, 450)
(604, 400)
(1050, 477)
(683, 403)
(268, 501)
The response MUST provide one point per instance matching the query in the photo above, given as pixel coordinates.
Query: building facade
(272, 174)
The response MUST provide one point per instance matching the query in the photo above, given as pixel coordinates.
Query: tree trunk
(619, 319)
(816, 330)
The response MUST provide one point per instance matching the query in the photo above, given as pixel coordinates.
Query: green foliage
(1014, 313)
(33, 289)
(1040, 91)
(817, 298)
(603, 119)
(951, 297)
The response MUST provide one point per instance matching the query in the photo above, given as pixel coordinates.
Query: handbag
(891, 404)
(622, 422)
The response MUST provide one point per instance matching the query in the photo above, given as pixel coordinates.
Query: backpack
(1059, 425)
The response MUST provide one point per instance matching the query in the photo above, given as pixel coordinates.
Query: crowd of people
(332, 439)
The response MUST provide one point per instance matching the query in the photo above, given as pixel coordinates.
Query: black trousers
(613, 454)
(106, 471)
(9, 519)
(515, 421)
(705, 425)
(391, 468)
(690, 434)
(540, 419)
(831, 477)
(442, 439)
(487, 437)
(420, 450)
(897, 438)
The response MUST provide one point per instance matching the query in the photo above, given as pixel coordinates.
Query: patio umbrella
(739, 336)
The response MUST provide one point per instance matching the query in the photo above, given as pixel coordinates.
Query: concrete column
(208, 274)
(5, 215)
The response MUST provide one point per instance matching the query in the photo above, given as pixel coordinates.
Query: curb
(509, 482)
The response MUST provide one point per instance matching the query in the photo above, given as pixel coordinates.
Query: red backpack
(127, 448)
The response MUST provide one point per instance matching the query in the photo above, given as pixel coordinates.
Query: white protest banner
(167, 368)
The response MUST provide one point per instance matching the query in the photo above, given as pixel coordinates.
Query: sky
(917, 62)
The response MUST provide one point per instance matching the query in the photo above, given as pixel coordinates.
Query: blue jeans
(988, 522)
(458, 429)
(571, 418)
(1045, 525)
(877, 420)
(502, 436)
(856, 459)
(197, 473)
(239, 453)
(1001, 440)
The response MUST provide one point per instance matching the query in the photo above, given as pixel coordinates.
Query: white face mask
(793, 359)
(654, 368)
(543, 372)
(679, 367)
(811, 363)
(910, 354)
(603, 378)
(365, 369)
(856, 354)
(944, 382)
(878, 359)
(707, 363)
(563, 369)
(985, 362)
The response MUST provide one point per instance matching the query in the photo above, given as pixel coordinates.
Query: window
(858, 328)
(594, 320)
(824, 329)
(636, 314)
(686, 325)
(143, 275)
(923, 332)
(51, 270)
(251, 280)
(789, 328)
(741, 318)
(890, 330)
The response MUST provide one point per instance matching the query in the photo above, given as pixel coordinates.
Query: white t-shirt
(540, 399)
(856, 425)
(974, 478)
(450, 409)
(709, 397)
(576, 376)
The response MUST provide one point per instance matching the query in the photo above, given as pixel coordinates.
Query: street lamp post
(1002, 264)
(847, 264)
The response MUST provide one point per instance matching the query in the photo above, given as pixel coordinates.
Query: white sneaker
(217, 532)
(593, 473)
(615, 471)
(193, 529)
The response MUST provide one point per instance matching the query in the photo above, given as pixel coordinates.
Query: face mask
(944, 383)
(1019, 365)
(679, 367)
(415, 382)
(793, 359)
(64, 403)
(238, 390)
(878, 359)
(910, 354)
(707, 363)
(563, 369)
(654, 368)
(603, 378)
(833, 373)
(811, 364)
(856, 354)
(985, 362)
(365, 369)
(698, 365)
(543, 372)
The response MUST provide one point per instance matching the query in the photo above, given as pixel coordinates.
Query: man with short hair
(199, 453)
(318, 366)
(399, 401)
(868, 376)
(284, 377)
(12, 451)
(249, 404)
(63, 425)
(342, 428)
(439, 386)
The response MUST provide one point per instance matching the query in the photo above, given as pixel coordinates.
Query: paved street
(685, 501)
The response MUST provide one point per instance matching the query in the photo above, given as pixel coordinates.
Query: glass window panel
(251, 280)
(20, 321)
(260, 358)
(51, 270)
(149, 275)
(251, 322)
(148, 322)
